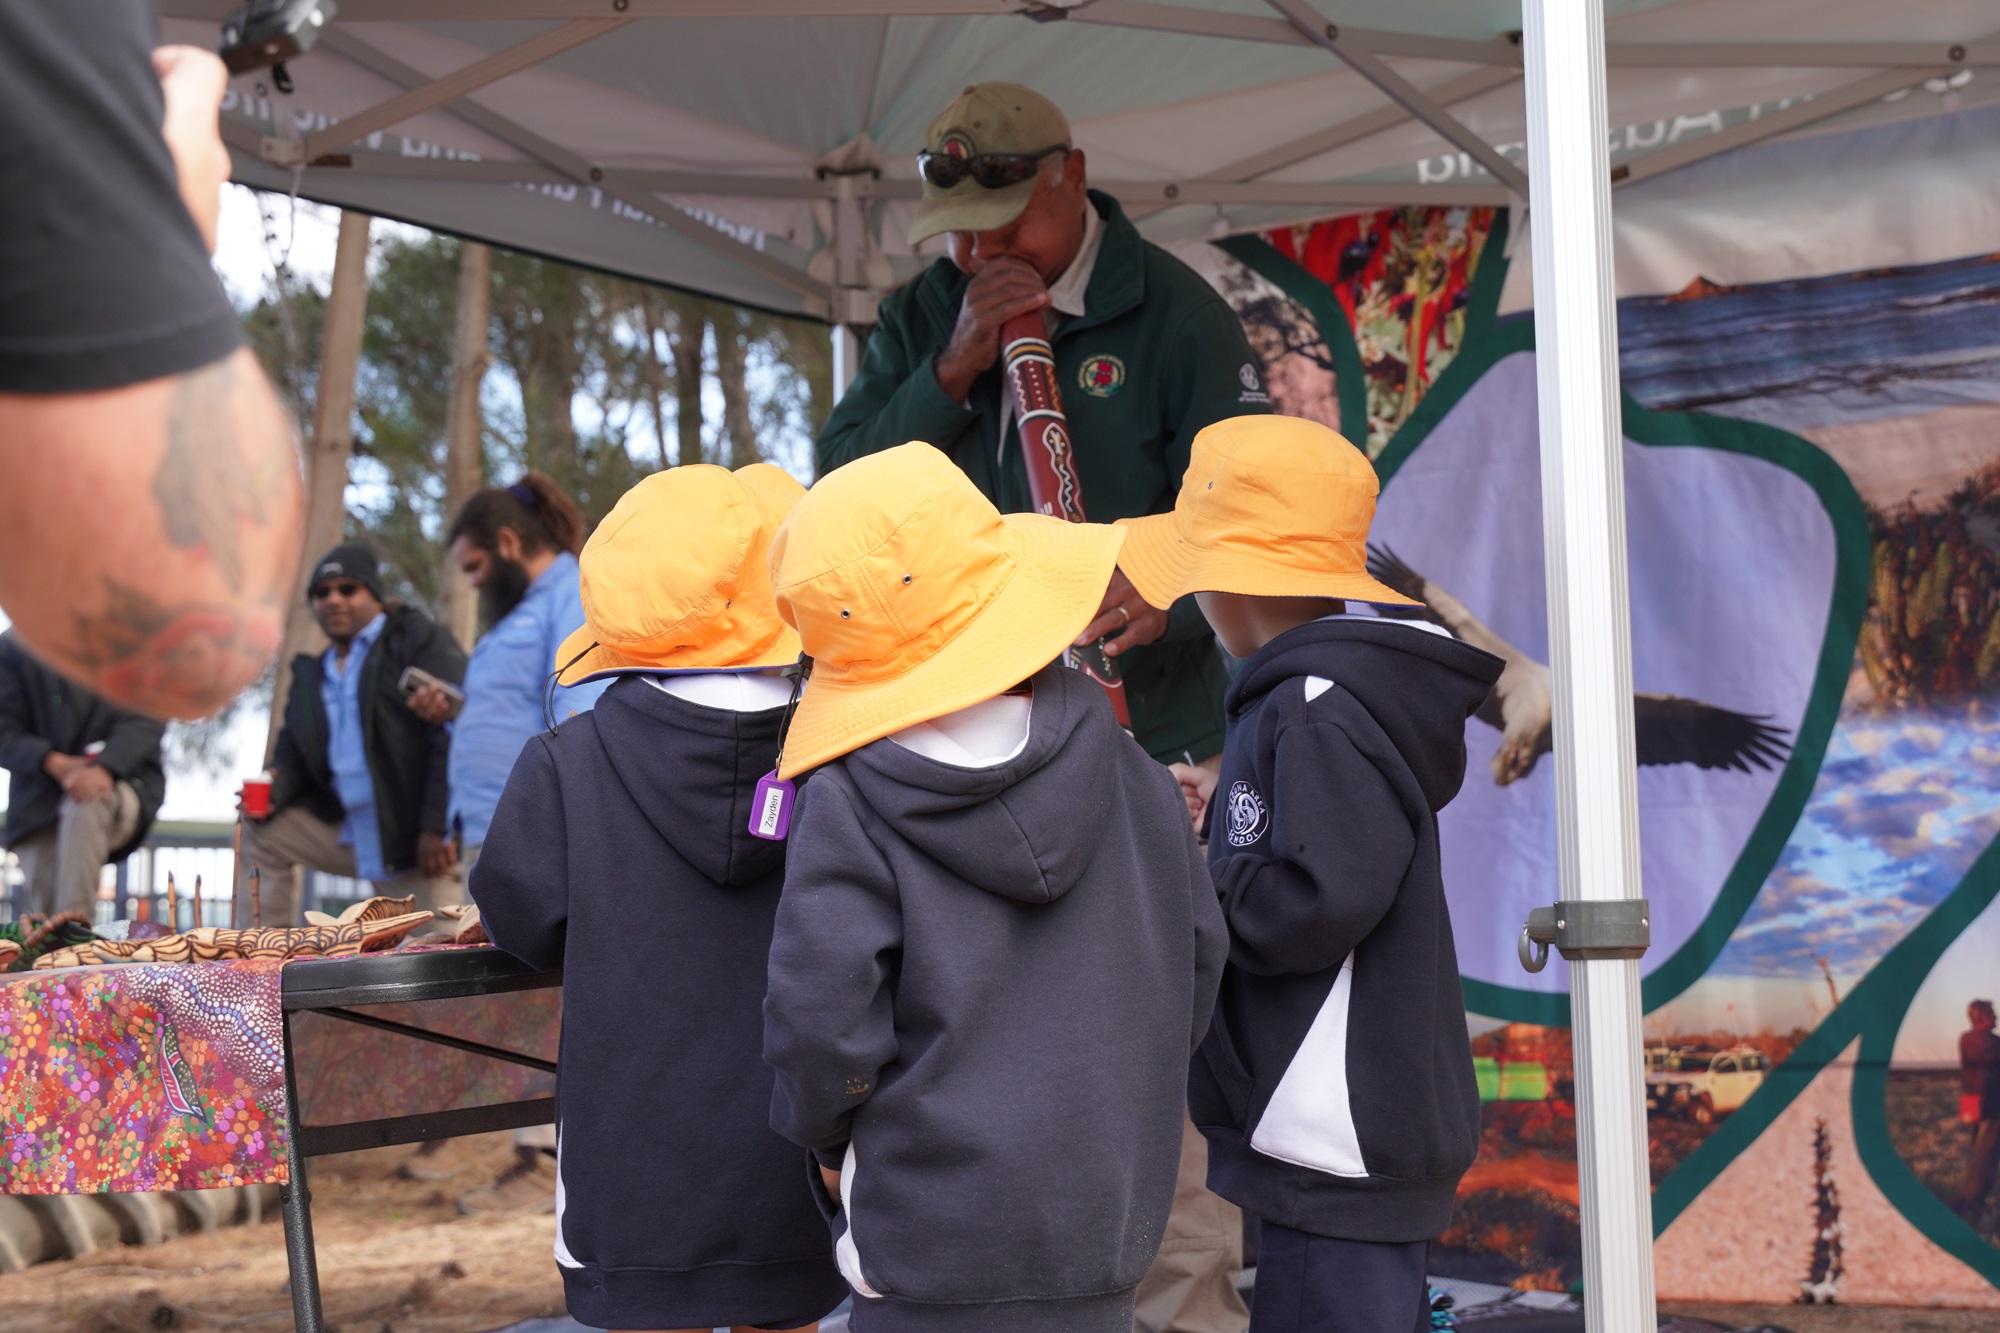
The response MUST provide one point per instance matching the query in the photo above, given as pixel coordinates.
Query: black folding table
(335, 987)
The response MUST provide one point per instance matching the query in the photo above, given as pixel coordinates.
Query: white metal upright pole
(846, 357)
(1583, 506)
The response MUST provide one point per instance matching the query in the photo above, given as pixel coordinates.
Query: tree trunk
(542, 320)
(655, 369)
(464, 470)
(332, 445)
(689, 336)
(554, 373)
(736, 424)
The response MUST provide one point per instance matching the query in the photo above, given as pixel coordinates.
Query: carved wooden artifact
(207, 944)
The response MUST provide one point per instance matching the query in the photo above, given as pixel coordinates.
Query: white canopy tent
(763, 151)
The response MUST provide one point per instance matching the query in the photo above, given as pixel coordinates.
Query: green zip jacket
(1156, 356)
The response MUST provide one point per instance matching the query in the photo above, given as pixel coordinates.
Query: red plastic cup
(257, 797)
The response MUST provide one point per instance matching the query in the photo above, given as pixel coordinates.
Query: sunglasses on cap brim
(990, 171)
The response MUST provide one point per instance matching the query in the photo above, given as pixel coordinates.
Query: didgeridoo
(1053, 485)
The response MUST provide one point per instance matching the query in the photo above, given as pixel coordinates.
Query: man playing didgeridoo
(1146, 354)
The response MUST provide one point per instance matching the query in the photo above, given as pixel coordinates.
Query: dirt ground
(395, 1257)
(1839, 1318)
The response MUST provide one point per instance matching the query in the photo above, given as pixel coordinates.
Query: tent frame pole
(553, 156)
(1365, 63)
(848, 340)
(457, 84)
(1583, 518)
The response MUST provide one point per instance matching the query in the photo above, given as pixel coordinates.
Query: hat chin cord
(549, 689)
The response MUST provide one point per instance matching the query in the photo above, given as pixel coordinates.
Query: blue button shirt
(340, 691)
(504, 682)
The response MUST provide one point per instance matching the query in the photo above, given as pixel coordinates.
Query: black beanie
(349, 560)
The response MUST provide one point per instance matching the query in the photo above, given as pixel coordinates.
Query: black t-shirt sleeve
(103, 277)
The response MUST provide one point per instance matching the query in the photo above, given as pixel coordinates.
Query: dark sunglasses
(320, 592)
(990, 171)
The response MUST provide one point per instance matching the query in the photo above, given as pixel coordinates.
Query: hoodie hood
(1419, 686)
(1024, 829)
(693, 770)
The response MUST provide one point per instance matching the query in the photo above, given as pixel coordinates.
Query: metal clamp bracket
(1586, 928)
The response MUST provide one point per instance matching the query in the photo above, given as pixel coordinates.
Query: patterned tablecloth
(171, 1076)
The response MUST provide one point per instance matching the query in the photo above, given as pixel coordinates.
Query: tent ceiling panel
(1852, 23)
(698, 134)
(1465, 19)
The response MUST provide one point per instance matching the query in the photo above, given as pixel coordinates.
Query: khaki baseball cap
(986, 118)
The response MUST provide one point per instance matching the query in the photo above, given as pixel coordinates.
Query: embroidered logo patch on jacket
(1248, 815)
(1100, 376)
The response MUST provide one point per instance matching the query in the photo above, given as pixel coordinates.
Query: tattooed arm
(149, 534)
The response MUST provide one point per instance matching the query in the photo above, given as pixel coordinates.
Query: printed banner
(1812, 471)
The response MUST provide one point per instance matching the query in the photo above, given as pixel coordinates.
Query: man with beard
(357, 776)
(518, 546)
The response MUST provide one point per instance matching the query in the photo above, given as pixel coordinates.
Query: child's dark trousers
(1319, 1284)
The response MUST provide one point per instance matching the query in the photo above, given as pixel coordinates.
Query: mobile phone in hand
(416, 678)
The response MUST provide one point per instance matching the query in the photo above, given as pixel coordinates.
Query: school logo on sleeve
(1253, 389)
(1100, 376)
(1248, 815)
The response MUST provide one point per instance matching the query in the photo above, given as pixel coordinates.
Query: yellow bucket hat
(916, 597)
(676, 577)
(1270, 507)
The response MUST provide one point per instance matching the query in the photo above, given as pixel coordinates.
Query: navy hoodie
(1335, 1086)
(620, 853)
(985, 987)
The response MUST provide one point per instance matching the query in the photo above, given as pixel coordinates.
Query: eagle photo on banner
(1732, 562)
(1667, 729)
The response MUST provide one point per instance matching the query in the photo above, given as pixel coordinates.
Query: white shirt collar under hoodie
(730, 691)
(986, 735)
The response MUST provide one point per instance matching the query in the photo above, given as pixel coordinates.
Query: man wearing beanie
(358, 779)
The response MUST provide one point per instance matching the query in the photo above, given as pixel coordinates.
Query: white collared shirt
(1066, 293)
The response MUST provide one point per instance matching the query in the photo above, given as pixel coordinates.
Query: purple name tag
(771, 811)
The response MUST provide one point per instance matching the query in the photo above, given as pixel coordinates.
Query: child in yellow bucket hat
(997, 943)
(1335, 1086)
(621, 854)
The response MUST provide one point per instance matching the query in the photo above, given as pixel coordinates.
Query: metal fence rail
(195, 854)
